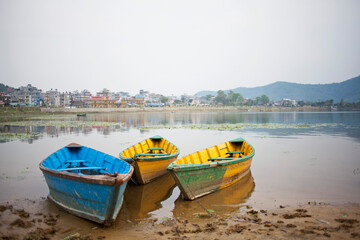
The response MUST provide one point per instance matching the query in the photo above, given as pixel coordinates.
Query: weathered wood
(152, 154)
(235, 152)
(81, 168)
(221, 159)
(95, 197)
(75, 161)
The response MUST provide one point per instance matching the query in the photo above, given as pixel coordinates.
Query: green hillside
(5, 88)
(348, 90)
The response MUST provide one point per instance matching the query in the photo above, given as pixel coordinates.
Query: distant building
(143, 93)
(5, 98)
(25, 96)
(286, 102)
(104, 93)
(132, 102)
(102, 102)
(65, 100)
(38, 101)
(123, 94)
(195, 102)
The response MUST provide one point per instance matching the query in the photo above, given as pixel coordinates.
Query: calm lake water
(299, 157)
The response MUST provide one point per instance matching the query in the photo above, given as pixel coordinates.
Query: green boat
(213, 168)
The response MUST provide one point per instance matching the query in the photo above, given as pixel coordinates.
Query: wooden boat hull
(94, 197)
(147, 171)
(149, 167)
(197, 176)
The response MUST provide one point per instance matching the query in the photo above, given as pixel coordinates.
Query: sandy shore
(27, 219)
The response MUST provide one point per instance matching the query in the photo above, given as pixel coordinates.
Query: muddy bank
(27, 219)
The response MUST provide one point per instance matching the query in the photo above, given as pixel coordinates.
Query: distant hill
(4, 88)
(348, 90)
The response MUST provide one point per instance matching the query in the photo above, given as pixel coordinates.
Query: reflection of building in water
(35, 132)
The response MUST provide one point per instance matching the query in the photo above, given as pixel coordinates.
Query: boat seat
(153, 149)
(75, 161)
(82, 168)
(151, 154)
(220, 159)
(235, 152)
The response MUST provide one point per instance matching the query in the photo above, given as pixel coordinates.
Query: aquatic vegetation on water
(7, 137)
(62, 123)
(29, 135)
(245, 126)
(50, 117)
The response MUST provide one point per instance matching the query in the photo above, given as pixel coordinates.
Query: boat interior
(151, 147)
(226, 151)
(83, 160)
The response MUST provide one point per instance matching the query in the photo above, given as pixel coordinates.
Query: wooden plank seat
(81, 168)
(154, 149)
(235, 152)
(75, 161)
(220, 159)
(151, 154)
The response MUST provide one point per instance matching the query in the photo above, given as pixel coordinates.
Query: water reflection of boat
(150, 158)
(229, 199)
(213, 168)
(86, 182)
(140, 200)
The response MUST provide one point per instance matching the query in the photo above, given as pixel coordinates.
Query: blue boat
(86, 182)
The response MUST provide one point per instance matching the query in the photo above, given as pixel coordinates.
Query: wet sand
(40, 219)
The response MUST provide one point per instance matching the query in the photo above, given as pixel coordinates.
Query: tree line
(236, 99)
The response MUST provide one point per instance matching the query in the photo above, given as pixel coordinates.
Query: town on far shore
(30, 96)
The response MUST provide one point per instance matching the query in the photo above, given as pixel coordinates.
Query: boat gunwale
(95, 179)
(188, 167)
(149, 159)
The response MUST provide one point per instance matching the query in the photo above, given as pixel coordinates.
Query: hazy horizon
(177, 47)
(204, 90)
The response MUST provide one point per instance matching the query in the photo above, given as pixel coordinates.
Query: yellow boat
(213, 168)
(150, 158)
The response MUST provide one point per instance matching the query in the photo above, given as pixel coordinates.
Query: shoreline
(40, 219)
(27, 110)
(186, 109)
(251, 109)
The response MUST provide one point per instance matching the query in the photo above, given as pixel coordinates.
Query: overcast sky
(176, 47)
